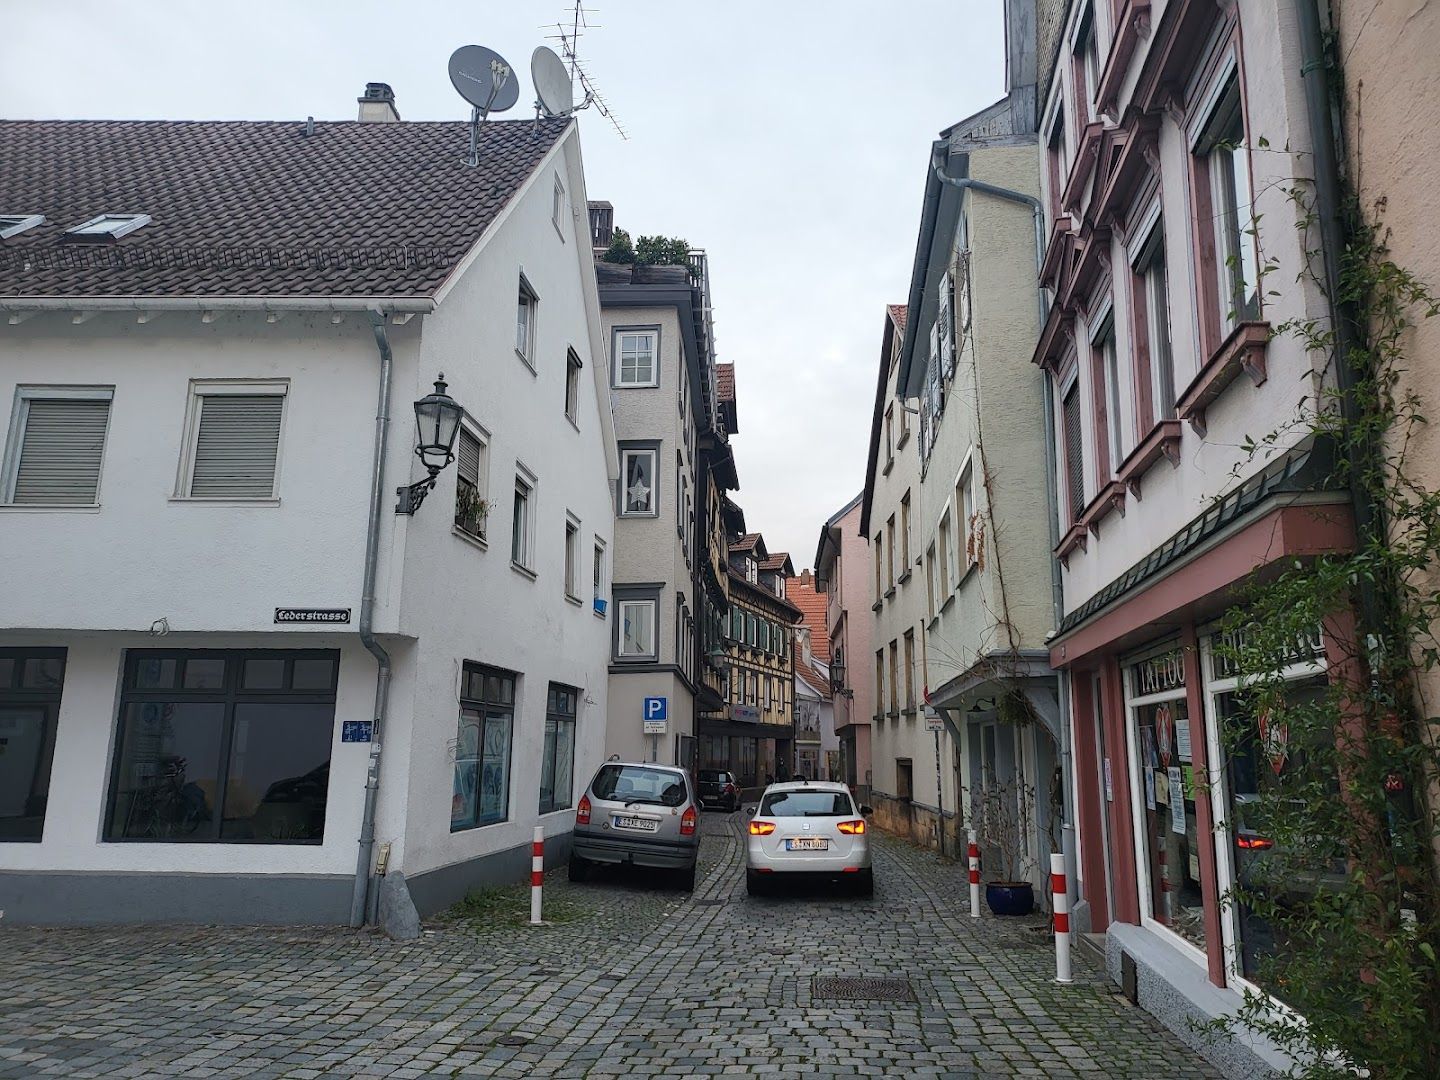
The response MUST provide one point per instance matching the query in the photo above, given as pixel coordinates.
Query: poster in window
(1149, 759)
(463, 801)
(494, 768)
(1165, 733)
(1182, 741)
(1177, 799)
(1149, 789)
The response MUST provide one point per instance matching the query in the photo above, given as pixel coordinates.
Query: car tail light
(1254, 843)
(852, 827)
(582, 812)
(687, 822)
(729, 789)
(761, 828)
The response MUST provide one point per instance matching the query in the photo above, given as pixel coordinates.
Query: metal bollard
(973, 854)
(1061, 896)
(537, 873)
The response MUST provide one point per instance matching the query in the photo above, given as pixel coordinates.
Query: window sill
(526, 361)
(571, 419)
(1163, 441)
(470, 538)
(1084, 164)
(949, 600)
(1132, 24)
(906, 576)
(877, 605)
(523, 571)
(889, 464)
(965, 575)
(49, 508)
(890, 592)
(1110, 497)
(1244, 350)
(1075, 538)
(571, 598)
(637, 386)
(201, 500)
(628, 514)
(904, 438)
(911, 712)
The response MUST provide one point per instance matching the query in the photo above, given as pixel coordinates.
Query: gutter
(1057, 594)
(413, 305)
(363, 897)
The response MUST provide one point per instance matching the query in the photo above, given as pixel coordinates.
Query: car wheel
(755, 885)
(579, 868)
(685, 879)
(865, 886)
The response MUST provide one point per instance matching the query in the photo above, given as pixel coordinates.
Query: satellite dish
(483, 78)
(552, 82)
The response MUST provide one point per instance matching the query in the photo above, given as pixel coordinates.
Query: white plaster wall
(464, 602)
(84, 741)
(1171, 497)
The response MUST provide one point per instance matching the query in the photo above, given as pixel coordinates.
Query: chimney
(377, 106)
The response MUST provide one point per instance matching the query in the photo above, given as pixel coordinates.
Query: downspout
(1057, 596)
(362, 898)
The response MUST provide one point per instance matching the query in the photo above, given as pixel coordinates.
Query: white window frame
(966, 508)
(482, 479)
(15, 224)
(15, 440)
(557, 206)
(123, 225)
(653, 606)
(203, 388)
(620, 332)
(597, 573)
(653, 453)
(524, 477)
(573, 367)
(527, 291)
(572, 557)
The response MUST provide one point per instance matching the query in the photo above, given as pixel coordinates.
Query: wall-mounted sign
(312, 614)
(933, 720)
(357, 730)
(656, 715)
(744, 714)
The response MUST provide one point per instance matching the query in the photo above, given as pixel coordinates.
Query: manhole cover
(511, 1040)
(861, 989)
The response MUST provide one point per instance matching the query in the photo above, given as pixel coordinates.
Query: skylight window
(107, 227)
(14, 224)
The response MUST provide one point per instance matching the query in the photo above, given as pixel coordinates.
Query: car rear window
(807, 804)
(637, 784)
(710, 776)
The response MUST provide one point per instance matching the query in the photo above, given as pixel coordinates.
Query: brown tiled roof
(761, 590)
(745, 543)
(255, 208)
(776, 561)
(725, 381)
(802, 594)
(807, 672)
(898, 315)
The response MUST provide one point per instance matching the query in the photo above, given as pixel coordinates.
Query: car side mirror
(867, 810)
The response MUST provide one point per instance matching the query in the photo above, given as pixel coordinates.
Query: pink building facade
(842, 568)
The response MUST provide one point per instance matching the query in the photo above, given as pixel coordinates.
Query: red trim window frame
(1055, 161)
(1106, 403)
(1067, 388)
(1147, 276)
(1219, 127)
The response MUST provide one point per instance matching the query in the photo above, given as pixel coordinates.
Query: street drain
(861, 989)
(511, 1040)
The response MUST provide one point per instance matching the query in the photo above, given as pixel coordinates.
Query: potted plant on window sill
(995, 810)
(471, 510)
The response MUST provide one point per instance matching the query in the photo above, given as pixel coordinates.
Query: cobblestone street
(634, 982)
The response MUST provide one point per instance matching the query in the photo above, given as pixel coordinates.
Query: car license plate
(641, 824)
(808, 843)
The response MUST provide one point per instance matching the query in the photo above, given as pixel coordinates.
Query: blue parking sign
(656, 713)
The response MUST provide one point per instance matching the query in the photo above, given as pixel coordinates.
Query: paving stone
(637, 981)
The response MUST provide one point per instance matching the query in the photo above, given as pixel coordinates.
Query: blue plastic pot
(1010, 898)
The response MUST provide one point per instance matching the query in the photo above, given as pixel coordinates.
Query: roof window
(107, 227)
(14, 224)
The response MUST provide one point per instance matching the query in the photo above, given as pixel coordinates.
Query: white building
(193, 452)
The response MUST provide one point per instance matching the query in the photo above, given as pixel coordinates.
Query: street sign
(933, 720)
(320, 615)
(357, 730)
(656, 714)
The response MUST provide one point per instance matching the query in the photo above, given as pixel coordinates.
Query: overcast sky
(789, 139)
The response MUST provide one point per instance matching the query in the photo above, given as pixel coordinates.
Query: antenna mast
(569, 46)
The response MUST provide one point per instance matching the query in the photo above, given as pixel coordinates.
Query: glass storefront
(1165, 792)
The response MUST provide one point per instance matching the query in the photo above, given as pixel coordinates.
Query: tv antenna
(483, 78)
(568, 43)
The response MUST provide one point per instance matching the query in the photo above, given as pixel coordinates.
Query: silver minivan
(638, 814)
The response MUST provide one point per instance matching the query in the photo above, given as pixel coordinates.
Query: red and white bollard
(973, 855)
(537, 873)
(1061, 897)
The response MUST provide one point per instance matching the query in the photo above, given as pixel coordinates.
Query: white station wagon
(812, 829)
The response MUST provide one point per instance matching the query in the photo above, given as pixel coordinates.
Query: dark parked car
(637, 814)
(719, 788)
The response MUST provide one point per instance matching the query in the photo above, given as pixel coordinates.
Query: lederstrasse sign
(312, 615)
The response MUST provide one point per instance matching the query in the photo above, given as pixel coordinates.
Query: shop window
(223, 746)
(1166, 794)
(481, 792)
(30, 685)
(557, 758)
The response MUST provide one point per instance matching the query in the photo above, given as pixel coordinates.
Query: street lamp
(437, 422)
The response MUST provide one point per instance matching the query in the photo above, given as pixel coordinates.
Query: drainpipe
(362, 899)
(1057, 597)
